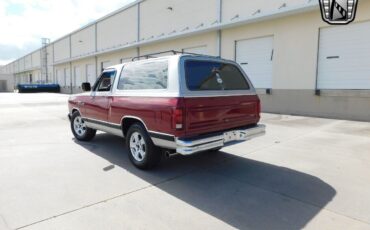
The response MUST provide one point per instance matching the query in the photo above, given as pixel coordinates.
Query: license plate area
(235, 135)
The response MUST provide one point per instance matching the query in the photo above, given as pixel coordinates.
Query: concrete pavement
(305, 173)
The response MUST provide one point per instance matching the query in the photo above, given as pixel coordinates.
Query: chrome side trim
(137, 118)
(100, 121)
(104, 128)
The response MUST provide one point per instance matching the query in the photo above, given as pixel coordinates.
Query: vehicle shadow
(240, 192)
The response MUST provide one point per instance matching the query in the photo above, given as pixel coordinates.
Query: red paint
(199, 115)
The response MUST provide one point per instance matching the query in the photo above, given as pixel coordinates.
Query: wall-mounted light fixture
(235, 17)
(282, 6)
(170, 8)
(200, 25)
(257, 12)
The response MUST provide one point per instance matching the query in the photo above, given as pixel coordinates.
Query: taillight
(178, 119)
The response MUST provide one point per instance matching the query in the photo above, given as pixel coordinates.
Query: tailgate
(212, 114)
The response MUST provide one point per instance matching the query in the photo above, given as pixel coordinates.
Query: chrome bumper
(191, 146)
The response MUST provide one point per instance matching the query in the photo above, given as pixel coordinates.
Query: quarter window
(104, 84)
(143, 76)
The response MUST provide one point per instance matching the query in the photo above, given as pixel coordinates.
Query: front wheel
(142, 152)
(79, 128)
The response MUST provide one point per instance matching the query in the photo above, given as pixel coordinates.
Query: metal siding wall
(21, 64)
(61, 49)
(157, 20)
(36, 59)
(243, 8)
(117, 30)
(196, 50)
(83, 42)
(208, 40)
(28, 62)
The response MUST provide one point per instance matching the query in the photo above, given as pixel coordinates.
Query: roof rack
(174, 52)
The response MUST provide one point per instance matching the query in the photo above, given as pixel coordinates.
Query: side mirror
(86, 87)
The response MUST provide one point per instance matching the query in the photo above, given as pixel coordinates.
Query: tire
(79, 129)
(141, 150)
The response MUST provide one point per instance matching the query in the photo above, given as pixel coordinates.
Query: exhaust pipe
(169, 153)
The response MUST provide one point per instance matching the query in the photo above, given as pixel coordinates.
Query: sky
(24, 22)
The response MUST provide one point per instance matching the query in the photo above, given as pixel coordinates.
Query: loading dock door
(344, 54)
(3, 86)
(255, 56)
(78, 80)
(91, 76)
(60, 78)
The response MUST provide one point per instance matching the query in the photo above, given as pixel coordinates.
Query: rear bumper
(191, 146)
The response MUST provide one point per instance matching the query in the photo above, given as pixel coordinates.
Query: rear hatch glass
(212, 75)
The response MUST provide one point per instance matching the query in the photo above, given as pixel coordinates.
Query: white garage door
(3, 86)
(255, 56)
(67, 77)
(60, 78)
(196, 50)
(78, 77)
(344, 57)
(90, 72)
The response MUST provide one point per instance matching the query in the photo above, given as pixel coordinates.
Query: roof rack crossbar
(174, 52)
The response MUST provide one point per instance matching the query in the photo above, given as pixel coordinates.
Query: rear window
(208, 75)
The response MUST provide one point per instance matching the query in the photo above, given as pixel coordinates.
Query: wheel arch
(127, 121)
(75, 110)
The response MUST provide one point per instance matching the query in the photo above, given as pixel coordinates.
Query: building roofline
(278, 13)
(122, 9)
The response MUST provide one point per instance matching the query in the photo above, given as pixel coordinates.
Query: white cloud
(24, 22)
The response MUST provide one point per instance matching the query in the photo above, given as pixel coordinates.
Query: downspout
(138, 28)
(219, 32)
(70, 63)
(96, 50)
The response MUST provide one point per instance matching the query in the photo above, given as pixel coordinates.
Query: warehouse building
(298, 63)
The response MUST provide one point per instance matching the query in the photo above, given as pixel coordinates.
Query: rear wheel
(142, 152)
(79, 128)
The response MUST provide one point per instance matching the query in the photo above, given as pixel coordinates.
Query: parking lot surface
(306, 172)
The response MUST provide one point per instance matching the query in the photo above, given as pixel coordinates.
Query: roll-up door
(344, 57)
(256, 56)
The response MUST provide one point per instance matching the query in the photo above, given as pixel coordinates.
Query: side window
(104, 84)
(144, 75)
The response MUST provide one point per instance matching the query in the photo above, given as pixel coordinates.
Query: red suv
(180, 104)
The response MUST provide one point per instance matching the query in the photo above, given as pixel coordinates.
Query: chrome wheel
(137, 146)
(79, 126)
